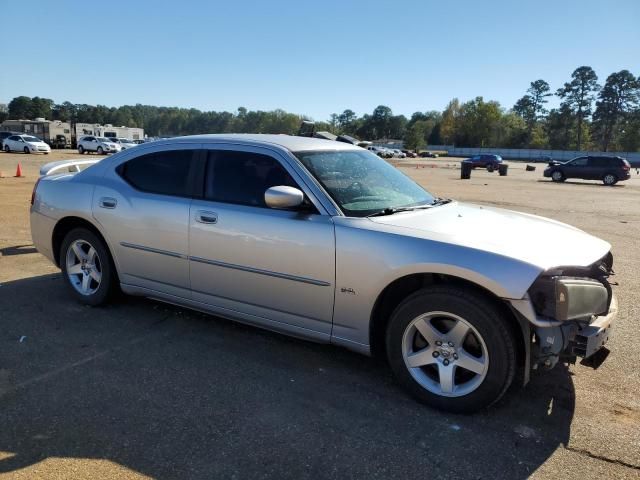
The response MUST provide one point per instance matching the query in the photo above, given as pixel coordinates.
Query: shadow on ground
(171, 393)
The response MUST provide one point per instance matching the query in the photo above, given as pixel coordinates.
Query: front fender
(367, 261)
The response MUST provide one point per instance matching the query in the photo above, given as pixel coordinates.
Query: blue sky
(312, 58)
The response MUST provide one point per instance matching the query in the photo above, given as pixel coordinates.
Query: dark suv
(490, 162)
(610, 170)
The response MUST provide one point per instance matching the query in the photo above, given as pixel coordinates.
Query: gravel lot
(141, 389)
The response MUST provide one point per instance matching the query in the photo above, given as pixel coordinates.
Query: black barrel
(465, 170)
(502, 169)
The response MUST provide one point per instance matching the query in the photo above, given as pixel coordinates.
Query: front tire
(609, 179)
(81, 150)
(87, 267)
(7, 149)
(26, 150)
(451, 348)
(557, 176)
(100, 151)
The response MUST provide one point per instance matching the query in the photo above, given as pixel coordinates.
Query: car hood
(538, 241)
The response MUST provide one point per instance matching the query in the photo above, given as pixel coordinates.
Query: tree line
(589, 116)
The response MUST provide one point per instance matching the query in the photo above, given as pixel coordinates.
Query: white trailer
(109, 131)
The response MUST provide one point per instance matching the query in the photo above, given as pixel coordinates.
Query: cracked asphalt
(141, 389)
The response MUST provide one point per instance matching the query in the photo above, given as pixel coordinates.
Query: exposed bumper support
(570, 339)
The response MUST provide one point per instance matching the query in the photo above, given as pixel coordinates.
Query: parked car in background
(25, 143)
(124, 143)
(399, 153)
(4, 135)
(609, 170)
(380, 151)
(99, 145)
(409, 153)
(326, 241)
(138, 142)
(428, 155)
(488, 161)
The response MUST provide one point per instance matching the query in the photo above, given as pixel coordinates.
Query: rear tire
(468, 367)
(7, 149)
(609, 179)
(490, 168)
(87, 267)
(557, 176)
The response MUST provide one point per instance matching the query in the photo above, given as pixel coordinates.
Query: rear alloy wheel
(557, 176)
(87, 267)
(610, 179)
(451, 348)
(490, 168)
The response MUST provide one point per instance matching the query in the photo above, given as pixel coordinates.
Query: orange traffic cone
(19, 171)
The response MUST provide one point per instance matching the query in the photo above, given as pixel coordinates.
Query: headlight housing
(569, 298)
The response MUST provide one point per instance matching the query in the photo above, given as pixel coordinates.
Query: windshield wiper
(392, 210)
(440, 201)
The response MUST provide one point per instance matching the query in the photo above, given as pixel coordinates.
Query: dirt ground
(140, 389)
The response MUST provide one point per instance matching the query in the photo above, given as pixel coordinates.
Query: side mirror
(283, 197)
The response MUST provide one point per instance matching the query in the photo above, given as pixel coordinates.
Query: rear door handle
(203, 216)
(108, 202)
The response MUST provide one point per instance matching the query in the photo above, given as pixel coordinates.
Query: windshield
(362, 183)
(31, 139)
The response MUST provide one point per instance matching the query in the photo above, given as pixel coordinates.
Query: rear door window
(164, 173)
(599, 162)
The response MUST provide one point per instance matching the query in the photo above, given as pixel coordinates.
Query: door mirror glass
(283, 197)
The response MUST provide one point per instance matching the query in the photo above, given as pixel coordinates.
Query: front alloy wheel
(445, 354)
(451, 348)
(557, 176)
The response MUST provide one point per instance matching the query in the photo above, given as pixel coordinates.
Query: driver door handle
(108, 202)
(203, 216)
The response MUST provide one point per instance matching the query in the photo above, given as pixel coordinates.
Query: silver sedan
(328, 242)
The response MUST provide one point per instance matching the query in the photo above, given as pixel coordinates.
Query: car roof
(289, 142)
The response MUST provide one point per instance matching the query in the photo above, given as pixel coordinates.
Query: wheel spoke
(95, 274)
(471, 363)
(86, 281)
(75, 269)
(421, 358)
(80, 255)
(445, 372)
(91, 256)
(428, 331)
(458, 333)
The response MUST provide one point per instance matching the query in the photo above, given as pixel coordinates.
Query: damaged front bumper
(554, 341)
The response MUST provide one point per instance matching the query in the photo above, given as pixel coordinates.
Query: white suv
(100, 145)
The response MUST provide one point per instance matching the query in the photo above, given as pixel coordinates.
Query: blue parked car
(490, 162)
